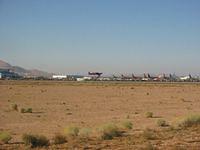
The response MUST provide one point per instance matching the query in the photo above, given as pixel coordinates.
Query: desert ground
(57, 104)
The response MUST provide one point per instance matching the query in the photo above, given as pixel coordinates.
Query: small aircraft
(95, 73)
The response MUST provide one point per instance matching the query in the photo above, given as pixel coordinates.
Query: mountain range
(24, 72)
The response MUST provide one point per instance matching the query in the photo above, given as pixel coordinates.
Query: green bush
(109, 131)
(59, 139)
(149, 114)
(71, 131)
(161, 123)
(127, 125)
(35, 140)
(5, 137)
(190, 121)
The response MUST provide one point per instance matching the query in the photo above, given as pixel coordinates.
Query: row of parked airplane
(148, 77)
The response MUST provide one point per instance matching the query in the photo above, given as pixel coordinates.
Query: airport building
(8, 74)
(59, 77)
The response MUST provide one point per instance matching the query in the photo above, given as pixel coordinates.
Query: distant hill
(4, 65)
(24, 72)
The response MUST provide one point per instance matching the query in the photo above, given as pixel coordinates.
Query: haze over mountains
(24, 72)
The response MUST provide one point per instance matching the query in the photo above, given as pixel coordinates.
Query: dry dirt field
(56, 105)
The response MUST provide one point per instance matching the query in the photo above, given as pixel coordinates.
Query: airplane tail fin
(145, 75)
(133, 76)
(149, 75)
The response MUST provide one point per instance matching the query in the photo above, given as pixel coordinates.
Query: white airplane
(186, 78)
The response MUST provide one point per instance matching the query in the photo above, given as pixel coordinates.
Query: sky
(110, 36)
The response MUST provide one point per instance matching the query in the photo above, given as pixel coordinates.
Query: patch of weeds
(28, 110)
(162, 123)
(85, 132)
(71, 131)
(109, 131)
(127, 125)
(35, 140)
(190, 121)
(149, 114)
(59, 139)
(14, 107)
(5, 137)
(149, 134)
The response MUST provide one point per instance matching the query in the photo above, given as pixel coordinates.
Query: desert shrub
(28, 110)
(85, 132)
(127, 125)
(149, 134)
(109, 131)
(190, 121)
(59, 139)
(5, 137)
(35, 140)
(161, 123)
(14, 107)
(71, 131)
(149, 114)
(22, 110)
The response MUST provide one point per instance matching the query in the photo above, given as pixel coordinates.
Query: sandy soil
(59, 104)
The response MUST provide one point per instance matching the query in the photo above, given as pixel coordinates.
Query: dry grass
(110, 104)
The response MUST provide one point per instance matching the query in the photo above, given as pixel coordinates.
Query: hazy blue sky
(112, 36)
